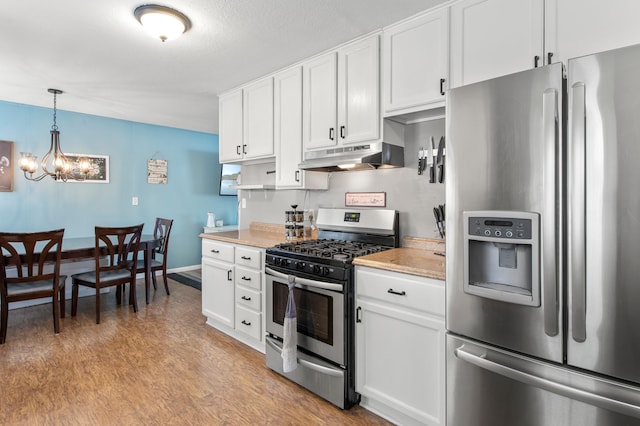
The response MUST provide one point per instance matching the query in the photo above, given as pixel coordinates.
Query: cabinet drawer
(251, 258)
(216, 250)
(248, 322)
(423, 294)
(248, 298)
(249, 278)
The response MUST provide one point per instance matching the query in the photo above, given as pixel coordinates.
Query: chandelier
(54, 163)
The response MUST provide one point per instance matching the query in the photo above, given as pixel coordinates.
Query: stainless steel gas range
(324, 297)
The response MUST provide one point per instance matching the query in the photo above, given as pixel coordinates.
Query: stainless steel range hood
(358, 157)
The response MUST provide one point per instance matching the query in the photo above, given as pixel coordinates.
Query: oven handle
(310, 365)
(305, 281)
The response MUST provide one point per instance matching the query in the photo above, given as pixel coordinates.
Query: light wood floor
(161, 366)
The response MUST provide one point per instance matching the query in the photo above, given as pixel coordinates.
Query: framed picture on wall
(6, 166)
(98, 167)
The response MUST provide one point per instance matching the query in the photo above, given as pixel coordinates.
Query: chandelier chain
(55, 110)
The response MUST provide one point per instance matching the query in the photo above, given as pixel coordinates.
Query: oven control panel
(352, 217)
(311, 269)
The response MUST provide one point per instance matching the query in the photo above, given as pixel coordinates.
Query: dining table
(76, 248)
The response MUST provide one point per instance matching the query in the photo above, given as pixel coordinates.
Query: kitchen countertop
(416, 257)
(263, 235)
(258, 235)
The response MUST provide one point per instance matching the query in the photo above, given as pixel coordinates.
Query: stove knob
(316, 269)
(300, 266)
(325, 270)
(277, 261)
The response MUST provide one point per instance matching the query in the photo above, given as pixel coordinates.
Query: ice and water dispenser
(501, 256)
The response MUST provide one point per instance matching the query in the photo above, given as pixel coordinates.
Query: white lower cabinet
(232, 290)
(400, 346)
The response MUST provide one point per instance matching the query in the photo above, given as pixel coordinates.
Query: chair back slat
(120, 246)
(30, 253)
(162, 231)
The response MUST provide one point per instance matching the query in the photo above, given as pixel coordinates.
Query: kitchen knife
(440, 160)
(430, 154)
(436, 213)
(420, 160)
(443, 221)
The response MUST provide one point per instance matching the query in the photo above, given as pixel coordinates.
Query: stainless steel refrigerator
(543, 246)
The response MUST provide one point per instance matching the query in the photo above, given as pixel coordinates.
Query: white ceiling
(99, 55)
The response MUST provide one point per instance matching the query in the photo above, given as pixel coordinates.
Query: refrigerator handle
(548, 256)
(576, 226)
(591, 398)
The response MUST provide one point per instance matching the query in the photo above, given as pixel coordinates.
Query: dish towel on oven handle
(290, 338)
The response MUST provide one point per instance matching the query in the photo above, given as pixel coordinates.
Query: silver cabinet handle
(550, 123)
(576, 226)
(548, 385)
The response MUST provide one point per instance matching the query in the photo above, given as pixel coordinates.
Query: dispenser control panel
(500, 227)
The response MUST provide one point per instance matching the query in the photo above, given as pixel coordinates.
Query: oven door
(320, 314)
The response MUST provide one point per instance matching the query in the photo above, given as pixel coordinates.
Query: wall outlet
(134, 201)
(244, 203)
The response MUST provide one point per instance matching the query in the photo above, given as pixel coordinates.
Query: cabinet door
(359, 91)
(319, 91)
(258, 119)
(400, 361)
(218, 291)
(230, 114)
(415, 57)
(490, 38)
(288, 127)
(581, 27)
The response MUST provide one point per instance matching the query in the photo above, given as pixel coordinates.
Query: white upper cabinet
(490, 38)
(246, 123)
(288, 134)
(415, 63)
(258, 119)
(230, 138)
(581, 27)
(359, 91)
(341, 96)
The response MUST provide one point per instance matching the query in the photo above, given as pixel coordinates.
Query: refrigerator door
(487, 386)
(603, 224)
(503, 156)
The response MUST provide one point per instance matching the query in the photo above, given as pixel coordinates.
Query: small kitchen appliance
(324, 297)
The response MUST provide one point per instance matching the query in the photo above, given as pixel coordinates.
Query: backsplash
(409, 193)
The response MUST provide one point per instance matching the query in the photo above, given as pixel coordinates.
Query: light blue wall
(191, 191)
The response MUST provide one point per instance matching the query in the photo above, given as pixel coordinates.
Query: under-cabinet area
(400, 346)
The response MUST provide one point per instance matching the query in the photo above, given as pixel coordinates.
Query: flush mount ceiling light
(162, 22)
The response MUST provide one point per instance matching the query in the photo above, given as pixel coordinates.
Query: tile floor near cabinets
(161, 366)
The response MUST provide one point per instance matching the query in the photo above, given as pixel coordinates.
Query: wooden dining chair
(161, 232)
(120, 248)
(30, 269)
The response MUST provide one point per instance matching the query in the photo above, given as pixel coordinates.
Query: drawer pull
(245, 298)
(215, 251)
(245, 278)
(246, 322)
(399, 293)
(359, 314)
(245, 258)
(229, 275)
